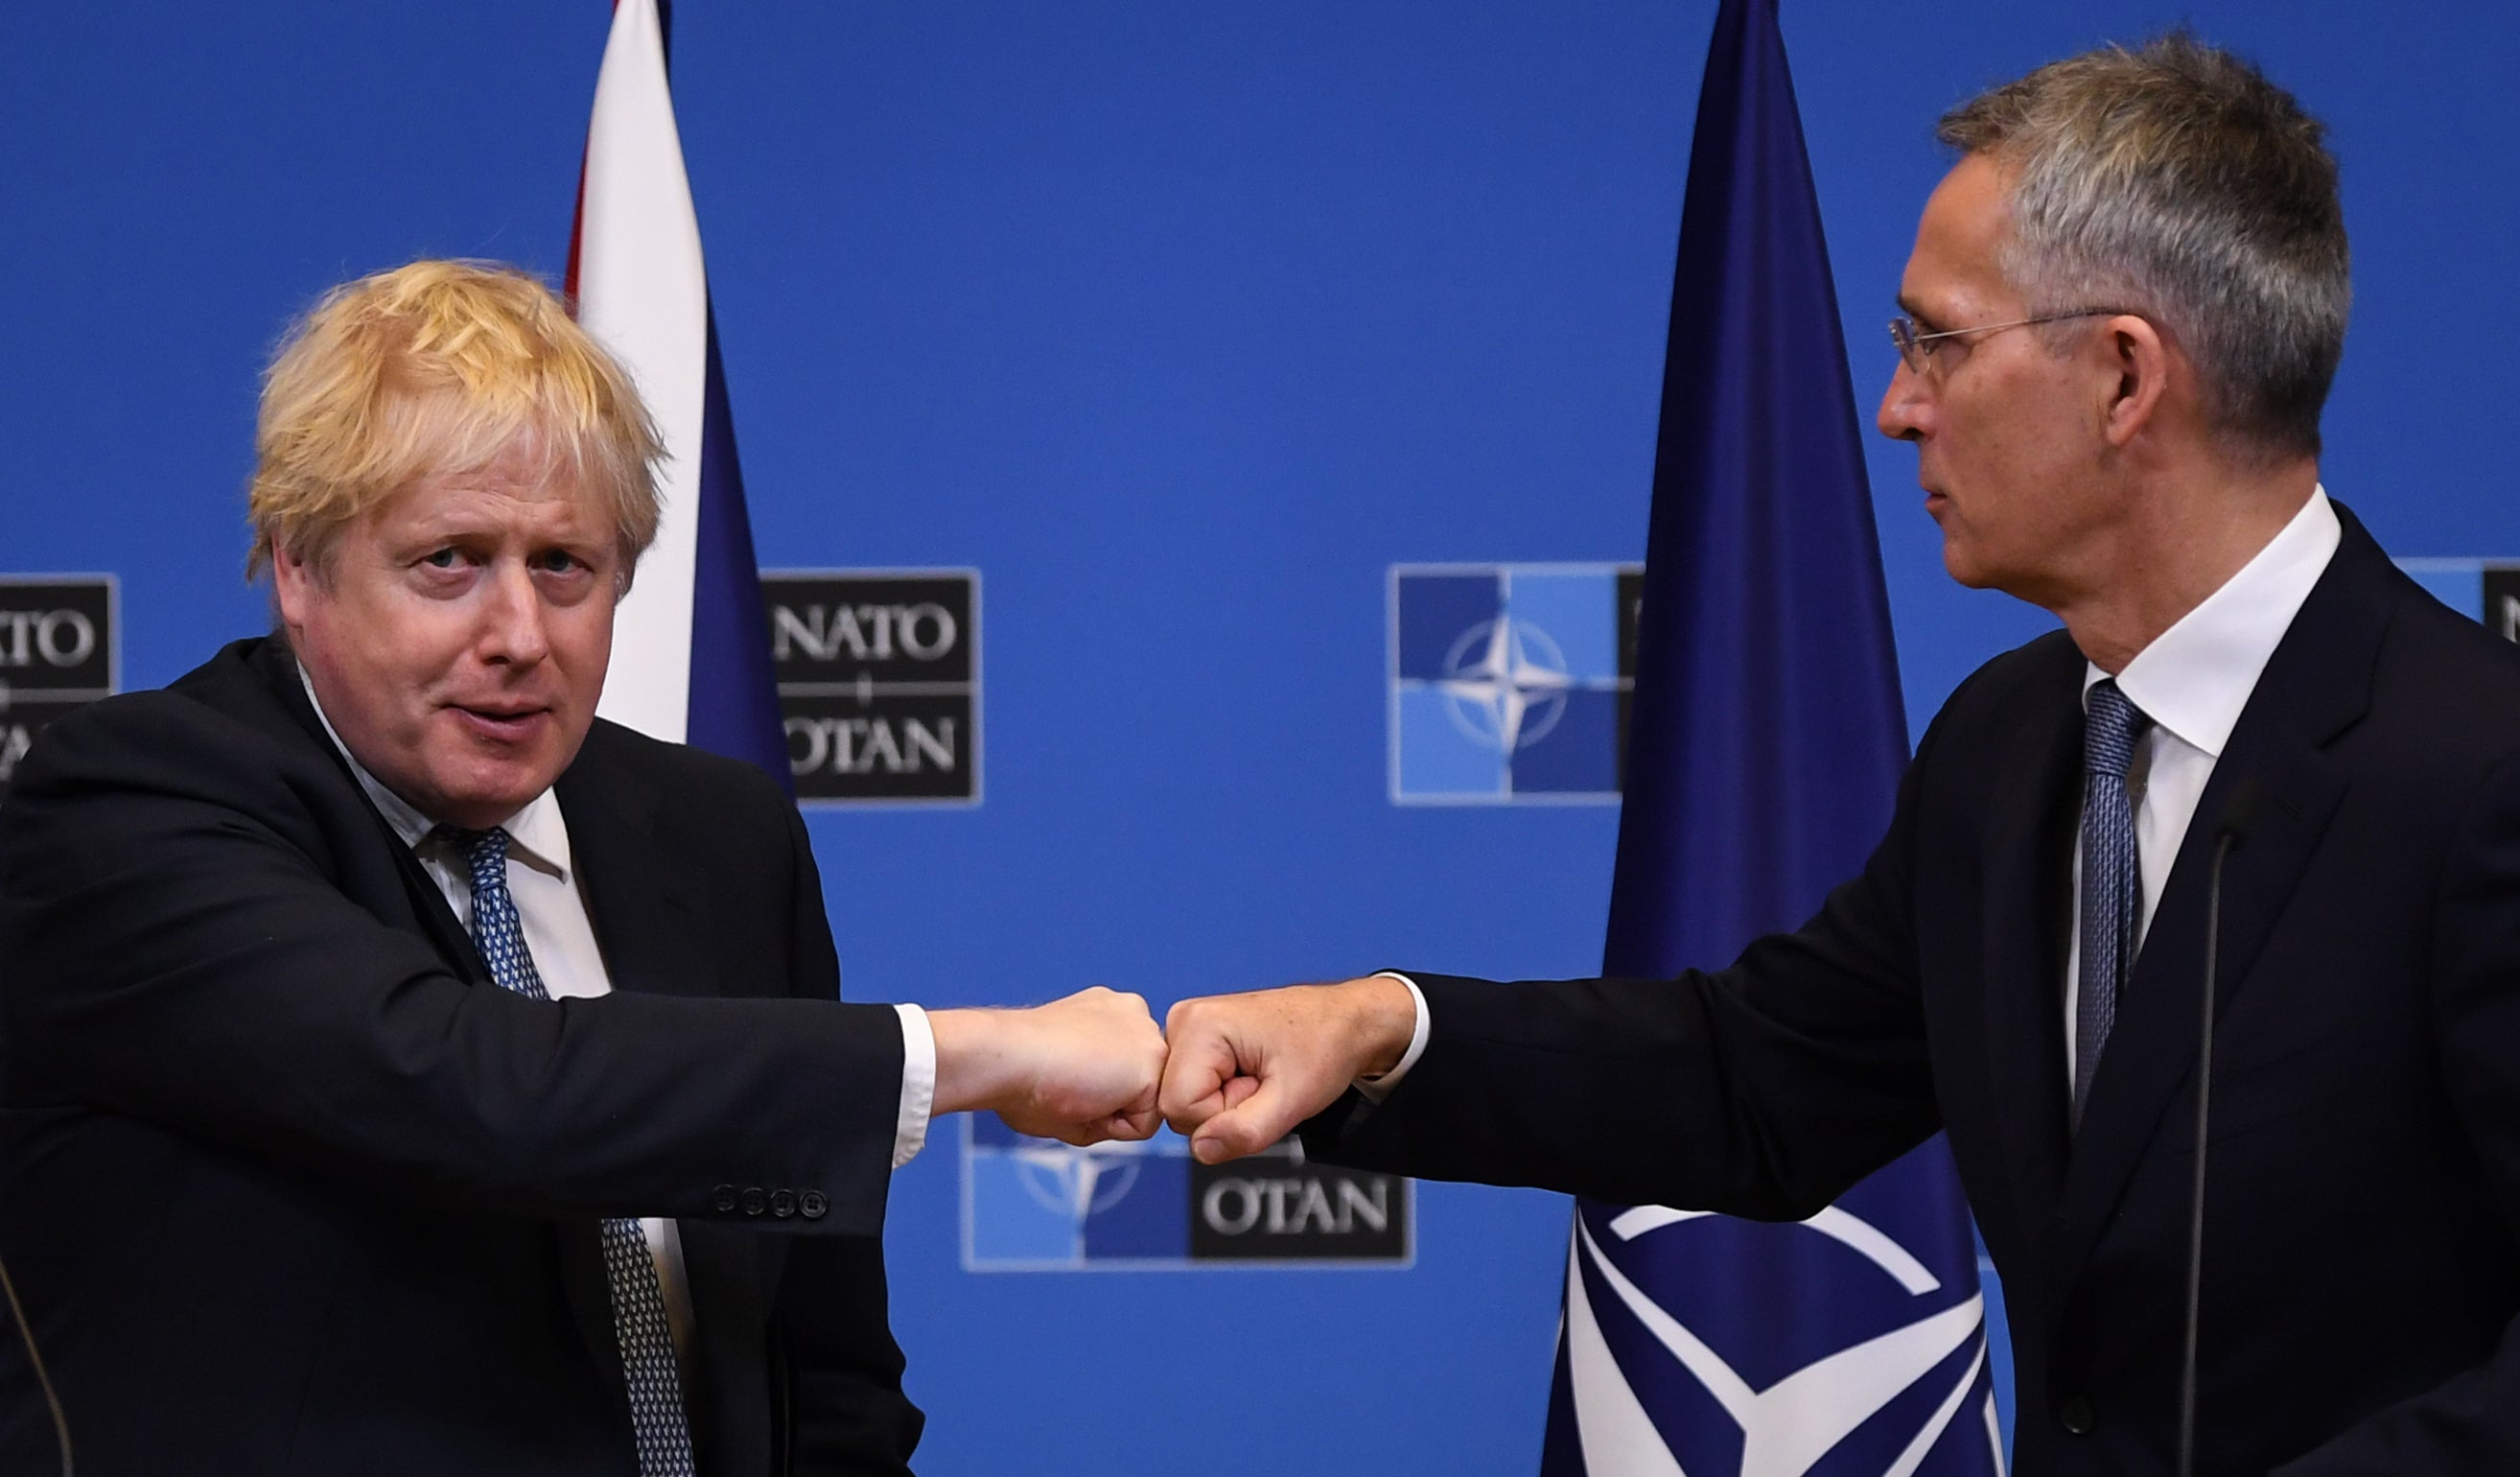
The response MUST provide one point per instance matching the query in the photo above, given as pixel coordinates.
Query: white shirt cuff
(1375, 1089)
(918, 1085)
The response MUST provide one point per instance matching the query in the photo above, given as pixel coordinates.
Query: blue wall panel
(1182, 324)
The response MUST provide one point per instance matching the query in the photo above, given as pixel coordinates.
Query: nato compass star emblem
(1078, 1182)
(1508, 686)
(1038, 1205)
(1877, 1364)
(1509, 682)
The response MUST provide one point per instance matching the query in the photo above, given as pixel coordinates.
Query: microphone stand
(2236, 817)
(43, 1380)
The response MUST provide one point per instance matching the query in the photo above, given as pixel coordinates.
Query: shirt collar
(2195, 676)
(536, 834)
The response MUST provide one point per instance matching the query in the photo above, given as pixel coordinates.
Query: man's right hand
(1081, 1069)
(1244, 1069)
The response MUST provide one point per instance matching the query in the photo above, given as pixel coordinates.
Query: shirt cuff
(1375, 1089)
(918, 1085)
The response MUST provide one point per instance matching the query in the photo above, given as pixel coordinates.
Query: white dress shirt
(562, 940)
(2192, 682)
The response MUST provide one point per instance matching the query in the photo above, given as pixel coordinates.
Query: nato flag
(1764, 753)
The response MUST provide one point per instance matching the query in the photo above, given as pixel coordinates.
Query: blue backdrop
(1181, 323)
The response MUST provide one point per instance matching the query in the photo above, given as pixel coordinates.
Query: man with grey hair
(2120, 321)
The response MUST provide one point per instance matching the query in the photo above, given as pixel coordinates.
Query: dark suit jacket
(290, 1187)
(2362, 1272)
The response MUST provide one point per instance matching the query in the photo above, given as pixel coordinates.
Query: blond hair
(436, 368)
(2173, 180)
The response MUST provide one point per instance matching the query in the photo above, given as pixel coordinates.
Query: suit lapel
(647, 921)
(277, 665)
(2024, 909)
(454, 943)
(2314, 688)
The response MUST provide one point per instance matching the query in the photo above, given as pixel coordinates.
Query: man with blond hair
(408, 1072)
(2118, 327)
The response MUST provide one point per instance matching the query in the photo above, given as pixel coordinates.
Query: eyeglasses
(1916, 349)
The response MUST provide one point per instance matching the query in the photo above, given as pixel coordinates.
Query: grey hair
(2173, 181)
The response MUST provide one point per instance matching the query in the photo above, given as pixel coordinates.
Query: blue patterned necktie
(656, 1418)
(2112, 885)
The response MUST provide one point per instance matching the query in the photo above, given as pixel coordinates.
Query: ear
(293, 586)
(2140, 366)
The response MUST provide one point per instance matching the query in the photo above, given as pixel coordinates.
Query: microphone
(2239, 813)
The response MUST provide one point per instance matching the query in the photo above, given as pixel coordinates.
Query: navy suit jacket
(288, 1186)
(2362, 1232)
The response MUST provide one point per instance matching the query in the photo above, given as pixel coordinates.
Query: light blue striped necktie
(2112, 880)
(656, 1420)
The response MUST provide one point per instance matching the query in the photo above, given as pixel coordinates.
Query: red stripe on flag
(577, 216)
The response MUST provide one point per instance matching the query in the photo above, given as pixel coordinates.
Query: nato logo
(1038, 1205)
(878, 675)
(1509, 682)
(1882, 1368)
(59, 647)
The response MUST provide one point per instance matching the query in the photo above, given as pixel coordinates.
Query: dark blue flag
(1764, 751)
(733, 702)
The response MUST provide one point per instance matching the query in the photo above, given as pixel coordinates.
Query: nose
(1905, 405)
(512, 617)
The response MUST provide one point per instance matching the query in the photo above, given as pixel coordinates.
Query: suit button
(813, 1204)
(783, 1204)
(722, 1199)
(2077, 1415)
(755, 1201)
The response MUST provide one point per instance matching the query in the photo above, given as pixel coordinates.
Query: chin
(1961, 567)
(490, 803)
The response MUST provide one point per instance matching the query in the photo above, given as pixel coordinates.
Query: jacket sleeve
(1764, 1090)
(177, 945)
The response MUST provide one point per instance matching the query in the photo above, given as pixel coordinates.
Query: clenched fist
(1080, 1069)
(1246, 1068)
